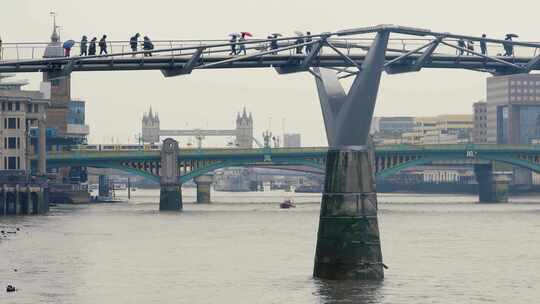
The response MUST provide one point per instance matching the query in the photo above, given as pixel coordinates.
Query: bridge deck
(264, 61)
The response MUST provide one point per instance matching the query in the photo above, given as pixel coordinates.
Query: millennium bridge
(348, 242)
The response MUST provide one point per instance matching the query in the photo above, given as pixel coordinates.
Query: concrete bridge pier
(348, 242)
(492, 187)
(170, 196)
(204, 185)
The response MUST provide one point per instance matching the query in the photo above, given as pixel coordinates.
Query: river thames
(244, 249)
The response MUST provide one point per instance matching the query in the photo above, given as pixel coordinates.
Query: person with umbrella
(299, 40)
(508, 46)
(133, 41)
(483, 45)
(147, 46)
(103, 45)
(233, 43)
(242, 40)
(92, 47)
(67, 47)
(84, 46)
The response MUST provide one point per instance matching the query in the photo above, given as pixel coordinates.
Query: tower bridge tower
(244, 130)
(150, 127)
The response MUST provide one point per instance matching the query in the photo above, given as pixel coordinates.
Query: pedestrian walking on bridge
(133, 41)
(309, 47)
(233, 44)
(92, 47)
(103, 45)
(147, 46)
(84, 46)
(461, 44)
(483, 45)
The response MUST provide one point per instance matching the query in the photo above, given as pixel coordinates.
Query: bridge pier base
(204, 183)
(170, 196)
(492, 188)
(348, 242)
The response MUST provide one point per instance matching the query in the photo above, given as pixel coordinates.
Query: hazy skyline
(115, 101)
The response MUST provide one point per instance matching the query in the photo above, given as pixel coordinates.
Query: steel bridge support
(348, 242)
(204, 183)
(492, 188)
(170, 197)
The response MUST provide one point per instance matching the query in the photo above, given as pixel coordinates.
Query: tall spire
(150, 114)
(55, 37)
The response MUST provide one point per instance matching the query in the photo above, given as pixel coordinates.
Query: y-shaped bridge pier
(348, 245)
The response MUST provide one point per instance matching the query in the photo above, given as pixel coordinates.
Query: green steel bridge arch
(389, 160)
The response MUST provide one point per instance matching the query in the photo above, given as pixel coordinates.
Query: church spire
(55, 37)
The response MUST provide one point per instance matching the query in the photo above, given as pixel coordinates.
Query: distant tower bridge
(243, 132)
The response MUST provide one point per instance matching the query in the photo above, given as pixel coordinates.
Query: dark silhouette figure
(84, 46)
(133, 41)
(233, 45)
(299, 48)
(309, 47)
(461, 44)
(508, 47)
(147, 46)
(241, 45)
(103, 45)
(483, 45)
(470, 47)
(273, 43)
(92, 47)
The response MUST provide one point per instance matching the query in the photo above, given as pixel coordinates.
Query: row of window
(12, 143)
(11, 106)
(527, 91)
(524, 82)
(525, 98)
(12, 163)
(484, 110)
(8, 106)
(12, 123)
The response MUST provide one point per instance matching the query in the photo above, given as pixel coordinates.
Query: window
(12, 163)
(18, 123)
(11, 123)
(17, 106)
(12, 143)
(3, 105)
(10, 106)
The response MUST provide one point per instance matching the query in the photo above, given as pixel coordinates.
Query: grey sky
(116, 100)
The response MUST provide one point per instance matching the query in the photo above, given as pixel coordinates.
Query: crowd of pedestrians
(467, 47)
(89, 48)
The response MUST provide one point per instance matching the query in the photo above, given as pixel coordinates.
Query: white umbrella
(299, 33)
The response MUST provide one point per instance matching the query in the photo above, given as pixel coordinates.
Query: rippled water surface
(244, 249)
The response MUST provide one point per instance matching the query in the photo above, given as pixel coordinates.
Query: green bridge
(388, 159)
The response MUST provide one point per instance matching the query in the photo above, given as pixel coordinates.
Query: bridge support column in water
(170, 196)
(348, 242)
(492, 188)
(204, 183)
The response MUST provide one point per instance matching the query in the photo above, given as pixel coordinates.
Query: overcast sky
(115, 101)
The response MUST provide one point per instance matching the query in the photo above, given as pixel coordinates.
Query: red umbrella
(247, 34)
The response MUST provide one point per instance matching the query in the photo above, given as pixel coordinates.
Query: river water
(244, 249)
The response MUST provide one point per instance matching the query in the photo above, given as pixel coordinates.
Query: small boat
(287, 204)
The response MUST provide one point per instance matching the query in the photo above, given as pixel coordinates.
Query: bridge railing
(350, 46)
